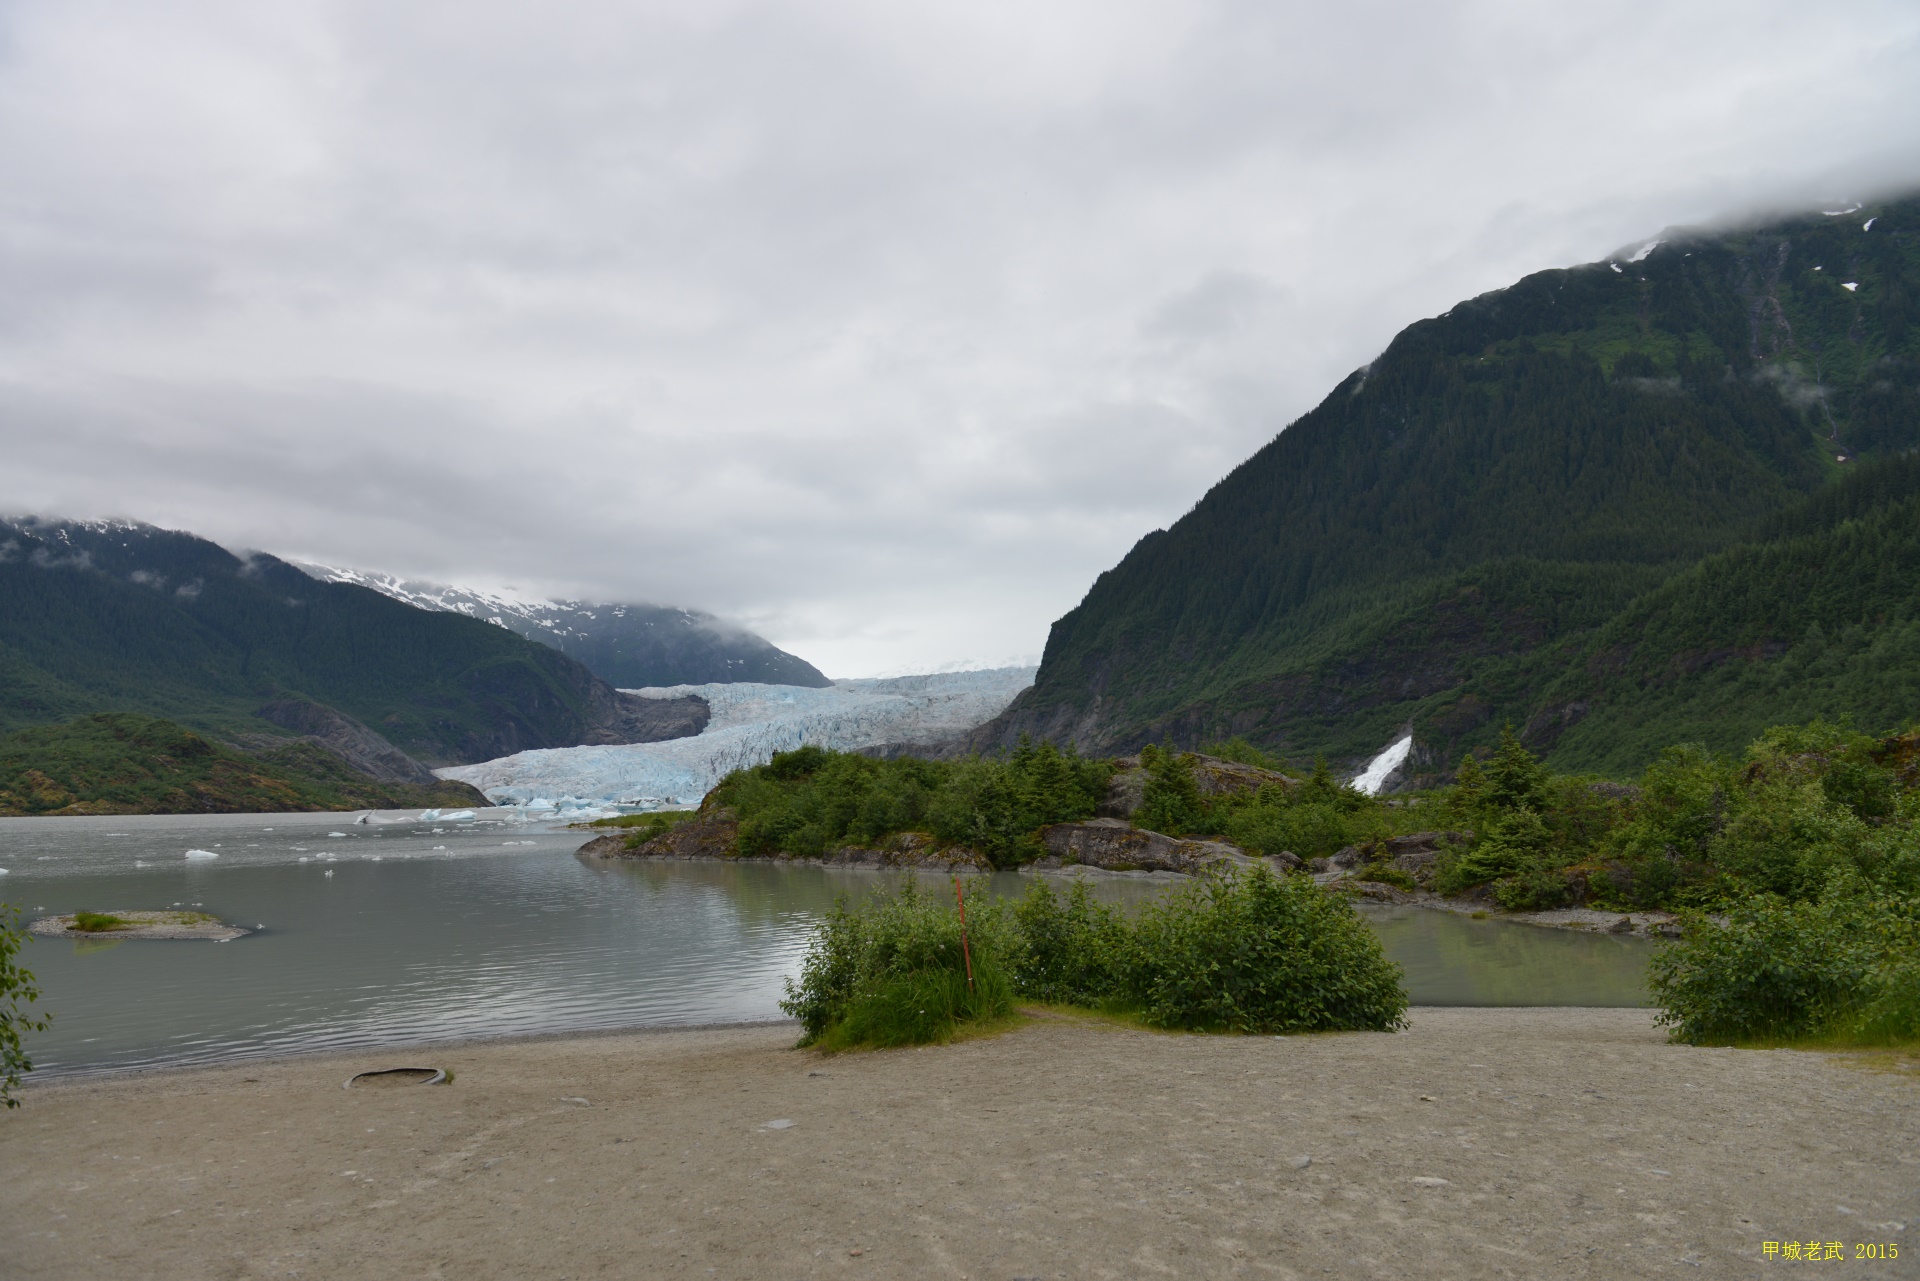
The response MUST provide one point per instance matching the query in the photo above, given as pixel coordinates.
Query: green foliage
(641, 828)
(888, 966)
(1171, 801)
(18, 991)
(1260, 953)
(810, 800)
(1276, 824)
(97, 922)
(1240, 953)
(1842, 968)
(1803, 805)
(1238, 750)
(124, 763)
(1071, 950)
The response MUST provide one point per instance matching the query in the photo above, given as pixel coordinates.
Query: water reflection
(1455, 960)
(500, 931)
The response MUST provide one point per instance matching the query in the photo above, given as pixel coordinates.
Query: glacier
(750, 723)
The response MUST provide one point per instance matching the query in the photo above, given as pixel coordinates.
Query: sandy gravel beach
(1482, 1143)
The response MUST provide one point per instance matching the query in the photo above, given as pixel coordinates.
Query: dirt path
(1572, 1143)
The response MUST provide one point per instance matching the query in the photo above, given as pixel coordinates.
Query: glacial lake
(411, 932)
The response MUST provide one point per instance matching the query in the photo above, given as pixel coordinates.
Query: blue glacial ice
(750, 723)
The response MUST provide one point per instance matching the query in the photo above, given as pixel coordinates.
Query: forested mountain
(628, 646)
(1508, 516)
(125, 763)
(121, 617)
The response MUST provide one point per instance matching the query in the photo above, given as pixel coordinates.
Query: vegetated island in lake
(125, 763)
(124, 924)
(1696, 831)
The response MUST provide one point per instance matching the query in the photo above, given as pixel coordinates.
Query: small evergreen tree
(1171, 801)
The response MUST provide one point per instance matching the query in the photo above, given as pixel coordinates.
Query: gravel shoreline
(1480, 1142)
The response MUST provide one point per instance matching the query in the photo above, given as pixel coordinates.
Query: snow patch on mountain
(492, 604)
(750, 723)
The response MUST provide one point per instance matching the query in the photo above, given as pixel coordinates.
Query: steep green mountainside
(1819, 621)
(130, 764)
(628, 646)
(98, 617)
(1499, 485)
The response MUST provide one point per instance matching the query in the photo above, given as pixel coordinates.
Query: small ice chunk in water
(200, 854)
(336, 833)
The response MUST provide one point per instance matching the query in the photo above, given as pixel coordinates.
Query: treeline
(122, 763)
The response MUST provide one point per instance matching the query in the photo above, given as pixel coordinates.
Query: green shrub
(97, 922)
(18, 991)
(1245, 952)
(1843, 967)
(878, 954)
(1238, 750)
(1071, 951)
(806, 801)
(1312, 829)
(1170, 802)
(1255, 952)
(1386, 874)
(922, 1007)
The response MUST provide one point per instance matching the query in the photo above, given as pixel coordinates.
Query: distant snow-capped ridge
(752, 721)
(625, 644)
(494, 605)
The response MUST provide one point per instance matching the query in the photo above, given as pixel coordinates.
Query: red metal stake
(965, 953)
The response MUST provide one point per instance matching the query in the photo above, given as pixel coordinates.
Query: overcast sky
(880, 326)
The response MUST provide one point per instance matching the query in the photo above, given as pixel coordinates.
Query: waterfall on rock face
(1370, 779)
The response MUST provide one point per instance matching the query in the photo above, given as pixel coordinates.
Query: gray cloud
(880, 328)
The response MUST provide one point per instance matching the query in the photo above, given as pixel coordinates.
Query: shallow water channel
(414, 932)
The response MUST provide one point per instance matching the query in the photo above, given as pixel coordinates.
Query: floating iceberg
(200, 854)
(750, 723)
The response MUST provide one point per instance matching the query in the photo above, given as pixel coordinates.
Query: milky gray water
(418, 932)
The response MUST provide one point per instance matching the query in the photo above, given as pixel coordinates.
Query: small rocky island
(172, 924)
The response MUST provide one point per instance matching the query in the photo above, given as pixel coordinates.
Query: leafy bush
(1256, 952)
(1386, 874)
(1171, 802)
(97, 922)
(807, 801)
(1243, 953)
(18, 991)
(878, 959)
(1238, 750)
(1071, 951)
(1277, 823)
(1846, 967)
